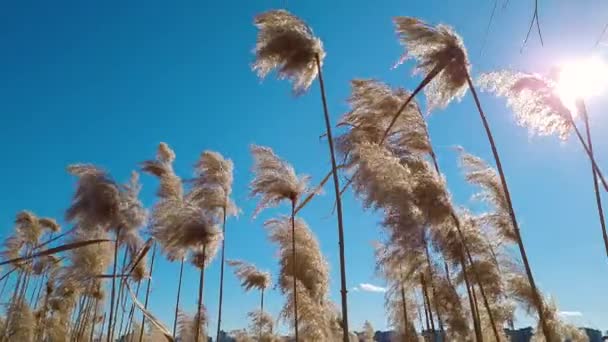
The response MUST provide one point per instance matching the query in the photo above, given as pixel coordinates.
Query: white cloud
(571, 313)
(369, 288)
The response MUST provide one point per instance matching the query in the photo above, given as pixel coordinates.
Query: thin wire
(537, 21)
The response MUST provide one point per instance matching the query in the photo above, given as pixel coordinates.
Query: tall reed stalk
(540, 307)
(293, 255)
(334, 170)
(598, 198)
(143, 319)
(221, 295)
(285, 42)
(199, 306)
(109, 337)
(179, 290)
(405, 318)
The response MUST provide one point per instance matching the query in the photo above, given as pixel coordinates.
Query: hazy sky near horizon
(105, 82)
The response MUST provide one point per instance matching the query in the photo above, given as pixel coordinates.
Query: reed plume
(101, 203)
(241, 335)
(368, 332)
(287, 43)
(479, 173)
(373, 106)
(180, 222)
(311, 274)
(440, 52)
(415, 188)
(250, 276)
(192, 328)
(171, 214)
(562, 330)
(537, 106)
(211, 191)
(276, 181)
(262, 326)
(162, 168)
(21, 325)
(310, 268)
(533, 99)
(96, 202)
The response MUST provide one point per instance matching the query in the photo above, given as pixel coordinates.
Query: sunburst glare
(581, 80)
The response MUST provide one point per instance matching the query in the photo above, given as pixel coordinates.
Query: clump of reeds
(285, 42)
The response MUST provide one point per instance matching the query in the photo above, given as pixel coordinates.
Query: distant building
(520, 335)
(594, 335)
(224, 337)
(428, 335)
(384, 336)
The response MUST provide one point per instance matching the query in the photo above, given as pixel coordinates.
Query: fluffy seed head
(373, 107)
(187, 326)
(311, 269)
(433, 47)
(99, 202)
(132, 213)
(96, 202)
(212, 184)
(203, 255)
(533, 99)
(181, 226)
(50, 224)
(250, 276)
(20, 321)
(91, 260)
(286, 43)
(262, 325)
(28, 226)
(274, 179)
(479, 173)
(162, 167)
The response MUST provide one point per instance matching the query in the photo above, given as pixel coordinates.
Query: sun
(581, 80)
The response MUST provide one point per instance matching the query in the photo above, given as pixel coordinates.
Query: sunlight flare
(581, 79)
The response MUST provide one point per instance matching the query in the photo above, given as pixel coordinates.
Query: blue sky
(105, 82)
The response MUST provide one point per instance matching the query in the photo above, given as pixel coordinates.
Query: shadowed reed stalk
(287, 43)
(120, 294)
(179, 290)
(404, 308)
(295, 262)
(143, 319)
(334, 169)
(112, 292)
(201, 284)
(598, 198)
(432, 281)
(390, 264)
(427, 303)
(221, 294)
